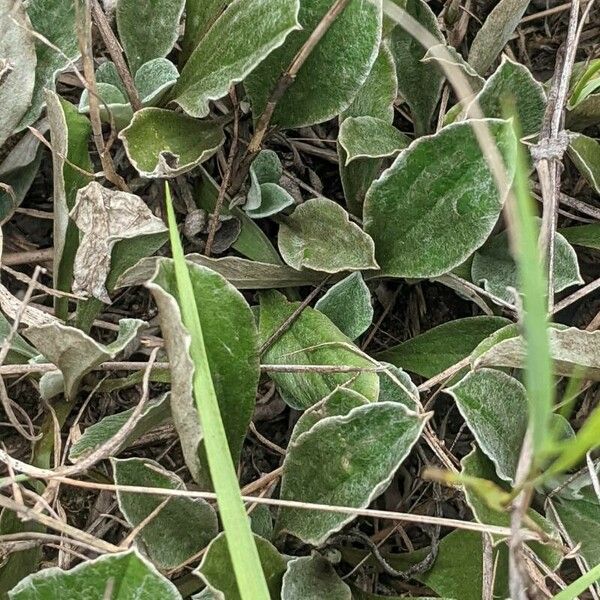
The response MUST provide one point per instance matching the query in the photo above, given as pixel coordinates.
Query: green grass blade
(539, 379)
(579, 585)
(242, 549)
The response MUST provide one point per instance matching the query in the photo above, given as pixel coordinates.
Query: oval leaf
(216, 568)
(443, 346)
(348, 305)
(176, 532)
(253, 28)
(427, 216)
(149, 29)
(17, 66)
(313, 578)
(333, 73)
(368, 137)
(319, 235)
(231, 341)
(164, 143)
(128, 572)
(494, 405)
(494, 267)
(312, 339)
(363, 449)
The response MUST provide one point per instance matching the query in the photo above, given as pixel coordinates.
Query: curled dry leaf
(106, 216)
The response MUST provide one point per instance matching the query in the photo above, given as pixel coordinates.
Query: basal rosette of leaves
(359, 304)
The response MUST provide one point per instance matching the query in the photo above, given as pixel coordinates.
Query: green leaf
(177, 532)
(18, 170)
(261, 521)
(313, 578)
(250, 578)
(441, 347)
(55, 20)
(396, 386)
(494, 405)
(20, 351)
(573, 351)
(337, 404)
(148, 30)
(363, 448)
(378, 93)
(18, 565)
(154, 78)
(312, 339)
(443, 55)
(427, 215)
(273, 199)
(319, 235)
(334, 71)
(584, 151)
(214, 66)
(495, 33)
(375, 99)
(163, 143)
(17, 56)
(128, 574)
(266, 167)
(105, 217)
(230, 336)
(581, 519)
(458, 569)
(494, 267)
(215, 568)
(368, 137)
(69, 134)
(75, 353)
(477, 465)
(583, 235)
(114, 106)
(152, 415)
(512, 80)
(348, 305)
(584, 114)
(199, 17)
(252, 241)
(419, 83)
(242, 273)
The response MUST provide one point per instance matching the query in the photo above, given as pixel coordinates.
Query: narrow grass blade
(579, 585)
(539, 380)
(242, 549)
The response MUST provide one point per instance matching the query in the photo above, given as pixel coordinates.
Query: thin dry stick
(292, 318)
(580, 293)
(285, 81)
(40, 286)
(346, 510)
(116, 53)
(214, 217)
(549, 151)
(5, 349)
(84, 34)
(25, 512)
(28, 257)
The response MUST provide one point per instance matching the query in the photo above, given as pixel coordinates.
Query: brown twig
(84, 35)
(290, 320)
(549, 151)
(214, 217)
(116, 53)
(285, 81)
